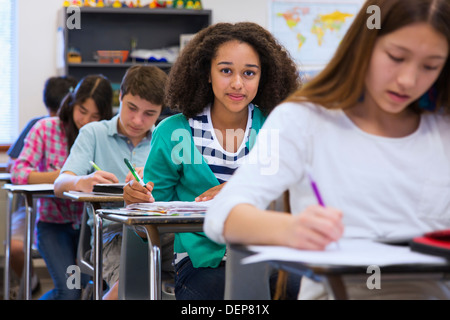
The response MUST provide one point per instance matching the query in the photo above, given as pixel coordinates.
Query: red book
(435, 243)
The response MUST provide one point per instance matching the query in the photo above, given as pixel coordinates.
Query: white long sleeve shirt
(385, 187)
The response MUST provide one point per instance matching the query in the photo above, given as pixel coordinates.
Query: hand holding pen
(137, 192)
(101, 176)
(319, 198)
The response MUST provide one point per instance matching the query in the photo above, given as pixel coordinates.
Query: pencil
(96, 167)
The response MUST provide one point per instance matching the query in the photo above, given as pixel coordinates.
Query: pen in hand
(96, 167)
(316, 191)
(136, 176)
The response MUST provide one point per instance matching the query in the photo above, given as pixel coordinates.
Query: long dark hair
(96, 87)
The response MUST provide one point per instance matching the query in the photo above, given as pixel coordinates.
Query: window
(8, 72)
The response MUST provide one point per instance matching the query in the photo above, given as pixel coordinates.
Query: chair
(134, 270)
(246, 282)
(252, 281)
(84, 245)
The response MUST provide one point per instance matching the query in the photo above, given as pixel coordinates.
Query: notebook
(116, 188)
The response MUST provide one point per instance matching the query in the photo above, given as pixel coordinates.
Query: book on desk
(115, 188)
(436, 243)
(171, 208)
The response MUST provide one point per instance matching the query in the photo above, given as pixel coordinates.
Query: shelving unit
(114, 29)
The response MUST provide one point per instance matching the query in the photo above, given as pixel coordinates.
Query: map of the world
(311, 30)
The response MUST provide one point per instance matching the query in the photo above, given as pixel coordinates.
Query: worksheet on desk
(346, 252)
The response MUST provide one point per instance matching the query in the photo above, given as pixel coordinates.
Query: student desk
(94, 201)
(152, 226)
(30, 193)
(5, 177)
(333, 276)
(395, 263)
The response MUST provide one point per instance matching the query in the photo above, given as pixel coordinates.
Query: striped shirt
(45, 150)
(207, 140)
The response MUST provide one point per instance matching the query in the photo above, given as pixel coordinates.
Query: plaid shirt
(45, 150)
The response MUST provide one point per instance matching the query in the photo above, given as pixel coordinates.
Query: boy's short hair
(147, 82)
(55, 89)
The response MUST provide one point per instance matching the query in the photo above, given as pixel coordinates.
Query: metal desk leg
(29, 230)
(98, 257)
(6, 275)
(154, 254)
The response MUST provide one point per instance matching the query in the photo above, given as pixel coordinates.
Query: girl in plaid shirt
(46, 148)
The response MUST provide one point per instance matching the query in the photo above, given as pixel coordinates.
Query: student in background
(107, 143)
(46, 148)
(55, 89)
(376, 146)
(225, 82)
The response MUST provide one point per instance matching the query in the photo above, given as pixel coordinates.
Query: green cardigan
(180, 173)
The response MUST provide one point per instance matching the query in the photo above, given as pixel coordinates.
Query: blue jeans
(209, 283)
(57, 244)
(199, 283)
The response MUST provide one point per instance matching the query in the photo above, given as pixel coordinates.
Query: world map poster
(311, 30)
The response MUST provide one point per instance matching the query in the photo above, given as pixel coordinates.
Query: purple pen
(317, 193)
(316, 190)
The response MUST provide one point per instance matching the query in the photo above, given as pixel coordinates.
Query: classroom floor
(45, 280)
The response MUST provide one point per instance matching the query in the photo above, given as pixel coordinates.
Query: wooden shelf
(94, 64)
(145, 10)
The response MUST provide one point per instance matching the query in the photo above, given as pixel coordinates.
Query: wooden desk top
(94, 196)
(165, 223)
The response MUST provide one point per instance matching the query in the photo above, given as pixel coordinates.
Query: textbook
(436, 243)
(109, 188)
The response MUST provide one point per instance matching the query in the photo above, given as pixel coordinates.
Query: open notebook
(171, 208)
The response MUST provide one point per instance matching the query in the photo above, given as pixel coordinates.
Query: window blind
(8, 72)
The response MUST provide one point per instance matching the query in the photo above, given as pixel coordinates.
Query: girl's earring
(428, 100)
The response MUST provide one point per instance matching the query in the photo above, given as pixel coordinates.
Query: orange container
(112, 56)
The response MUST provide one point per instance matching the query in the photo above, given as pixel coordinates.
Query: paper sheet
(348, 252)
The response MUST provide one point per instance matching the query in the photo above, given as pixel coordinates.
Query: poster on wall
(311, 29)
